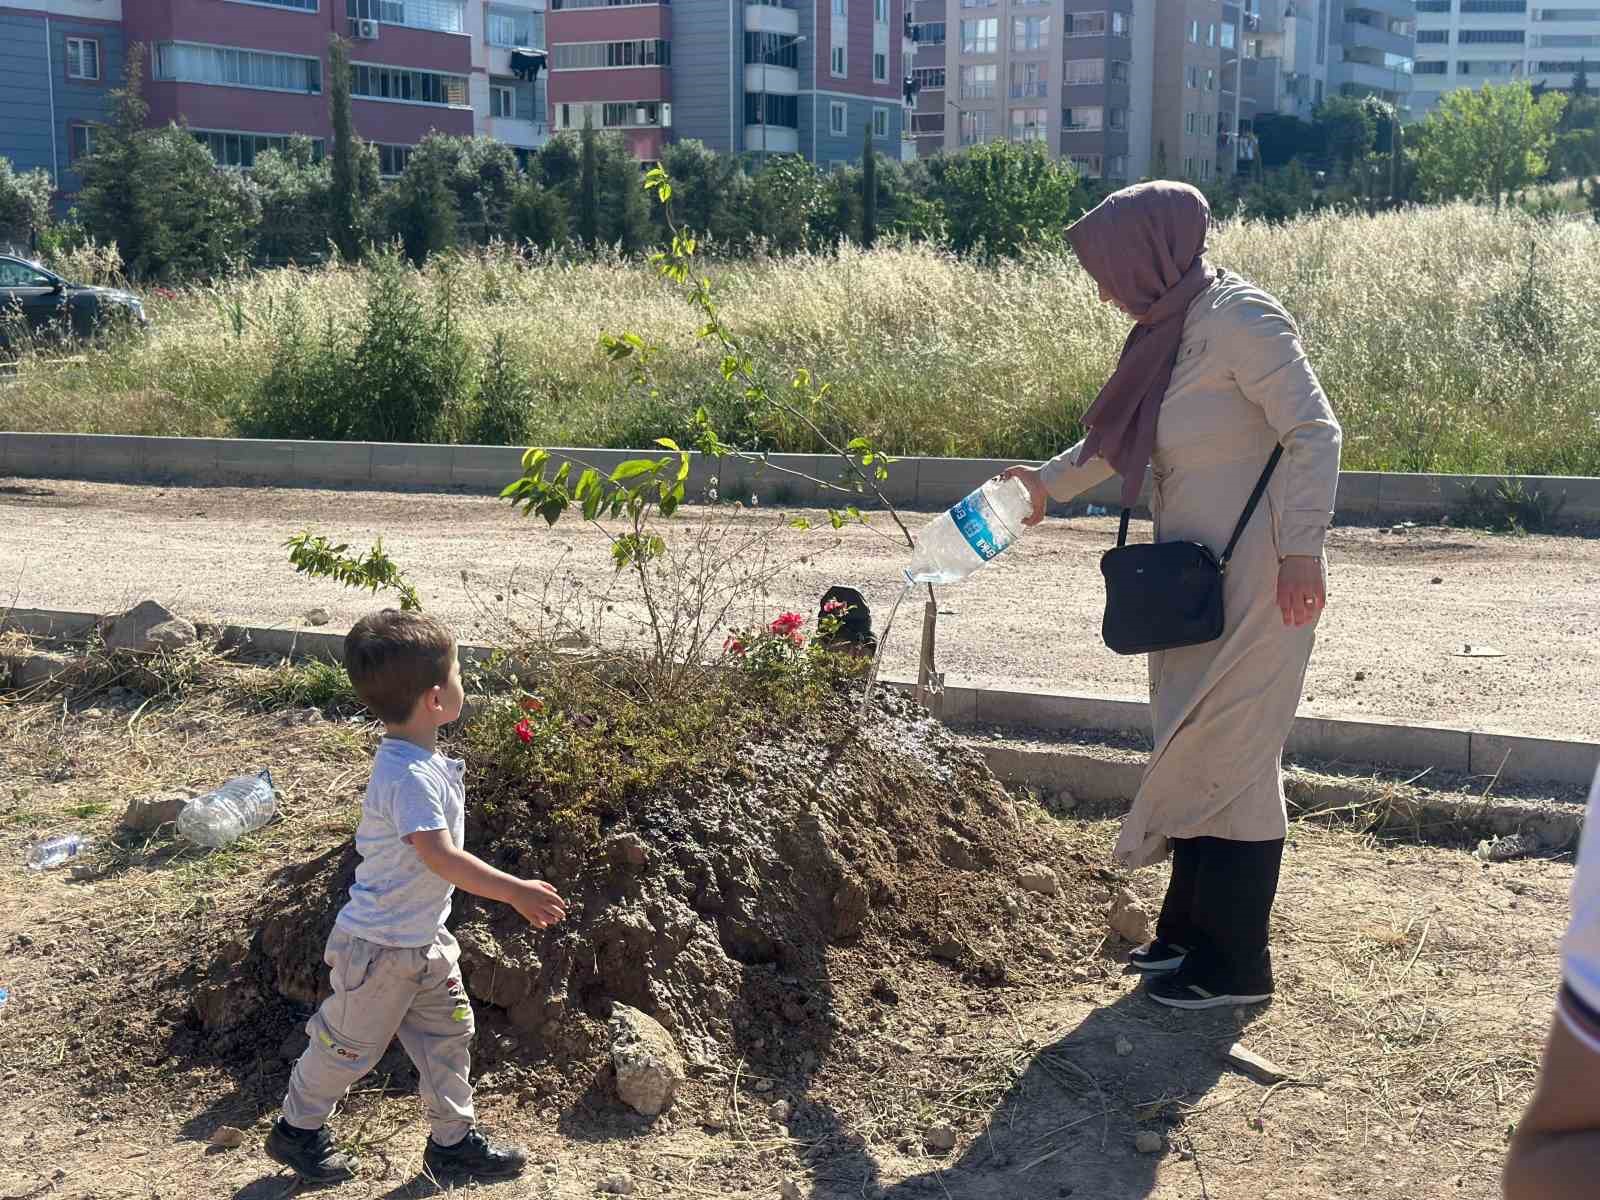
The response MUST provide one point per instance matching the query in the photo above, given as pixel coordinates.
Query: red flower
(835, 606)
(733, 645)
(531, 704)
(525, 730)
(787, 624)
(799, 640)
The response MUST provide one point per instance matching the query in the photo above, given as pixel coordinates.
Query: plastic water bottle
(54, 851)
(956, 543)
(225, 815)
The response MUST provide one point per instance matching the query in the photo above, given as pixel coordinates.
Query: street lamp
(795, 39)
(961, 112)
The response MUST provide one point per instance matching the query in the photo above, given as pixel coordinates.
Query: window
(1229, 37)
(510, 28)
(1500, 67)
(1191, 77)
(442, 16)
(880, 67)
(929, 79)
(1211, 34)
(1119, 72)
(604, 3)
(1084, 24)
(836, 118)
(1546, 67)
(979, 3)
(83, 59)
(20, 274)
(930, 33)
(1491, 37)
(1191, 122)
(1494, 6)
(392, 160)
(639, 114)
(1194, 32)
(82, 142)
(880, 123)
(976, 127)
(1117, 118)
(782, 111)
(590, 56)
(1433, 6)
(880, 11)
(773, 49)
(229, 149)
(1117, 166)
(502, 102)
(1030, 80)
(1082, 119)
(839, 9)
(1433, 68)
(1121, 24)
(1028, 125)
(1188, 167)
(836, 62)
(1087, 165)
(980, 36)
(409, 87)
(1553, 40)
(1211, 79)
(302, 5)
(1030, 33)
(977, 83)
(1205, 168)
(1566, 14)
(1211, 124)
(184, 62)
(1433, 37)
(1077, 72)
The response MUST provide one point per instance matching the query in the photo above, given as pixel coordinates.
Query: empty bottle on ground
(225, 815)
(52, 852)
(956, 543)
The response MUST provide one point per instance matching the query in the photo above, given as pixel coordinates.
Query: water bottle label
(972, 520)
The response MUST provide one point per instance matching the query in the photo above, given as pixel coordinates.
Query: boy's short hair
(395, 657)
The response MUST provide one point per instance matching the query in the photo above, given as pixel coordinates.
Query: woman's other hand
(1302, 590)
(1029, 478)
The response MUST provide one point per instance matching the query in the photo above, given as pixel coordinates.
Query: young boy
(393, 964)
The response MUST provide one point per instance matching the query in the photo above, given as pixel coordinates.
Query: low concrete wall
(915, 483)
(1513, 758)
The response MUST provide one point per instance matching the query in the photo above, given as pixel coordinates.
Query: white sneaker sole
(1204, 999)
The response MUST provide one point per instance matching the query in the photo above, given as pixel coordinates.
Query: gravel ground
(1400, 602)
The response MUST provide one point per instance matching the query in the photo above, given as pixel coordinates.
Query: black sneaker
(309, 1153)
(1158, 956)
(474, 1156)
(1178, 991)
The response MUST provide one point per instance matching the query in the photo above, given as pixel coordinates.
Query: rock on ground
(940, 1138)
(148, 813)
(1039, 878)
(1128, 917)
(1148, 1142)
(648, 1064)
(147, 627)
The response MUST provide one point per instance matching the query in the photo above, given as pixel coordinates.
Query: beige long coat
(1222, 711)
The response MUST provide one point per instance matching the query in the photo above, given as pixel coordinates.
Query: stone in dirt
(628, 850)
(1128, 918)
(778, 1114)
(1252, 1064)
(148, 813)
(618, 1185)
(790, 1190)
(649, 1066)
(146, 628)
(1039, 878)
(227, 1137)
(44, 667)
(940, 1138)
(318, 616)
(1148, 1143)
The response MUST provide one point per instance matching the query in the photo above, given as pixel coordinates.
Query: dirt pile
(753, 909)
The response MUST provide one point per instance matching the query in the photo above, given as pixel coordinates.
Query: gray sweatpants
(379, 992)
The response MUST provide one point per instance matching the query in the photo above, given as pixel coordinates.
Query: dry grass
(1450, 339)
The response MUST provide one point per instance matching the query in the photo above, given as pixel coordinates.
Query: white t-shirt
(1579, 1003)
(395, 900)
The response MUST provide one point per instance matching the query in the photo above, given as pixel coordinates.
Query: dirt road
(1401, 602)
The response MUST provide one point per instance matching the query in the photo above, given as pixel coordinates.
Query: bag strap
(1122, 531)
(1250, 508)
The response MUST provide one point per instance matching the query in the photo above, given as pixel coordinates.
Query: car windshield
(14, 272)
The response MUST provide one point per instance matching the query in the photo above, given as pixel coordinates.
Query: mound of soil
(754, 910)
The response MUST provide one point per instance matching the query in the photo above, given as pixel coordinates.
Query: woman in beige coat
(1213, 378)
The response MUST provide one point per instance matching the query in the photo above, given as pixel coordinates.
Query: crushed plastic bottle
(1097, 510)
(54, 851)
(956, 543)
(225, 815)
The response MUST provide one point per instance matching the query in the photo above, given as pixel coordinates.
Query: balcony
(1371, 37)
(773, 139)
(768, 18)
(530, 134)
(775, 81)
(1395, 10)
(1364, 77)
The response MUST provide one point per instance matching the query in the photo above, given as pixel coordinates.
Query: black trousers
(1218, 906)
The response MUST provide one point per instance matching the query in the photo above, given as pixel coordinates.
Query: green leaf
(590, 479)
(836, 518)
(633, 468)
(683, 467)
(533, 464)
(562, 475)
(592, 502)
(667, 443)
(800, 523)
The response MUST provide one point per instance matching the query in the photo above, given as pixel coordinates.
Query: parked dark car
(40, 304)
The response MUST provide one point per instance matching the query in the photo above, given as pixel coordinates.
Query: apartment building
(1468, 43)
(775, 77)
(59, 61)
(509, 85)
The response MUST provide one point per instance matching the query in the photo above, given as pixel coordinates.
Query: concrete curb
(1514, 758)
(1097, 784)
(916, 483)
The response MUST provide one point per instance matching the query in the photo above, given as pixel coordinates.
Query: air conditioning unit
(367, 30)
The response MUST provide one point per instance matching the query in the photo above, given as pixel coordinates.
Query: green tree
(624, 209)
(106, 198)
(24, 202)
(345, 197)
(558, 164)
(295, 193)
(589, 185)
(1347, 130)
(538, 215)
(483, 175)
(1487, 143)
(709, 190)
(422, 209)
(869, 191)
(1002, 197)
(1580, 80)
(785, 196)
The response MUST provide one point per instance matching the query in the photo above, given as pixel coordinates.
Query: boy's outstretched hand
(539, 903)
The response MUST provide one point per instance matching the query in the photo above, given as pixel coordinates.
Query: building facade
(508, 105)
(1468, 43)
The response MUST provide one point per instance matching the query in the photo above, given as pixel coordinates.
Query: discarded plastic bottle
(54, 851)
(1097, 510)
(956, 543)
(225, 815)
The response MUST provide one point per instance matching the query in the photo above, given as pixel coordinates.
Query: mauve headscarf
(1145, 245)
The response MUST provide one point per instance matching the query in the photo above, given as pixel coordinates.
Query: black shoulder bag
(1163, 595)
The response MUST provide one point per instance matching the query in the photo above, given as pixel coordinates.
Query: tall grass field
(1449, 339)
